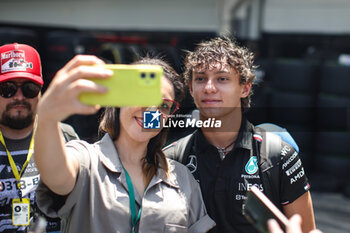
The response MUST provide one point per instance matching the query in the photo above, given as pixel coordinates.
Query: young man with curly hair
(229, 160)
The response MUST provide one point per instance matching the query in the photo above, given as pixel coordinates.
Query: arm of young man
(302, 206)
(58, 170)
(295, 194)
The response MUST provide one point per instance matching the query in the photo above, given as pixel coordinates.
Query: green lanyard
(134, 218)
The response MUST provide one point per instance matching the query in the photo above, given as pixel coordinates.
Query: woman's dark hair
(155, 158)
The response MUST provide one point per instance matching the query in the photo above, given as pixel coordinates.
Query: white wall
(307, 16)
(193, 15)
(300, 16)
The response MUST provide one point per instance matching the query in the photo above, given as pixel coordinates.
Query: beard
(17, 122)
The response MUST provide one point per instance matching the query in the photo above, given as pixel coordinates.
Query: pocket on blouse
(171, 228)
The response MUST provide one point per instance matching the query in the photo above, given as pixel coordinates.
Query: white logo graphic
(192, 165)
(208, 123)
(151, 119)
(14, 61)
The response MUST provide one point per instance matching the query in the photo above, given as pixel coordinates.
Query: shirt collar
(244, 139)
(162, 177)
(110, 159)
(245, 135)
(202, 141)
(109, 155)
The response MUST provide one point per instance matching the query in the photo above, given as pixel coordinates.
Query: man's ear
(246, 88)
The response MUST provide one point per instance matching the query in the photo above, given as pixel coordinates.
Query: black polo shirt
(224, 183)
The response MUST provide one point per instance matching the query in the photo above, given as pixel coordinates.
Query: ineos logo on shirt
(192, 164)
(248, 186)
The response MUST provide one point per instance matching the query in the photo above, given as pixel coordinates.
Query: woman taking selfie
(122, 183)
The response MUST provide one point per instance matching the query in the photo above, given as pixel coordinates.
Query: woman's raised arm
(57, 169)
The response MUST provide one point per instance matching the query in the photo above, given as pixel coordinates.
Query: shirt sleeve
(199, 219)
(294, 182)
(54, 205)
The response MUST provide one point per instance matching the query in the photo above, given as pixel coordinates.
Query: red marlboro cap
(20, 61)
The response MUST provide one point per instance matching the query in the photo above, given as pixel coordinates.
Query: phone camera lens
(143, 75)
(152, 75)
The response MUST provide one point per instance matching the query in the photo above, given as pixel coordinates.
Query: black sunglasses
(29, 89)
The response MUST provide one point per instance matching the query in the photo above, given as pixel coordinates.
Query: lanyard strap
(12, 162)
(134, 218)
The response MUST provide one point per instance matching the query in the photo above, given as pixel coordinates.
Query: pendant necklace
(223, 150)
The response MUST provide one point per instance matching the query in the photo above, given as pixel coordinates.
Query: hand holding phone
(130, 85)
(258, 209)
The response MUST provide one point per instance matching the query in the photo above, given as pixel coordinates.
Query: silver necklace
(224, 150)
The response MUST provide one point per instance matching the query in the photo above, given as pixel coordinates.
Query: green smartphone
(258, 209)
(130, 85)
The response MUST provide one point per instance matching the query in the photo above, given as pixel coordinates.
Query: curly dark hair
(222, 50)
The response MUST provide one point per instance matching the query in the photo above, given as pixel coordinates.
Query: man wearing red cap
(20, 85)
